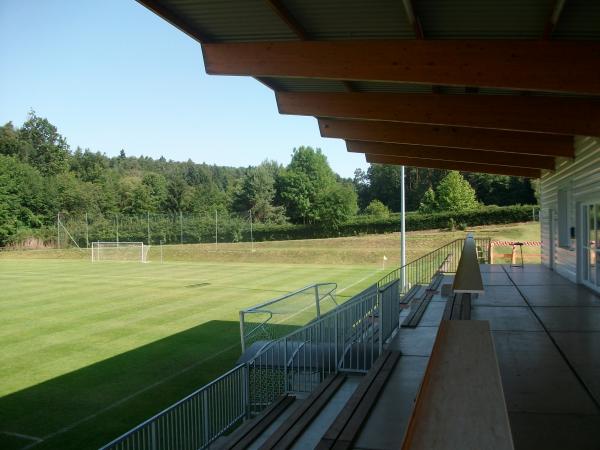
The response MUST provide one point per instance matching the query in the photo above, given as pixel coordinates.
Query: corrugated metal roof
(232, 20)
(483, 19)
(306, 84)
(351, 19)
(580, 19)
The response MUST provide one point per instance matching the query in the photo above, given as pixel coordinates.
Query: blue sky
(110, 75)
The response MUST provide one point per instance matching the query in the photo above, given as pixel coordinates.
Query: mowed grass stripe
(68, 321)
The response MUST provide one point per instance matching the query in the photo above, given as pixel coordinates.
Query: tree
(454, 193)
(428, 203)
(307, 176)
(256, 193)
(377, 209)
(335, 205)
(50, 150)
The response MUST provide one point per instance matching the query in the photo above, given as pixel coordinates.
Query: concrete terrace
(546, 331)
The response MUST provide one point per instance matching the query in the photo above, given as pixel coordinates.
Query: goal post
(119, 251)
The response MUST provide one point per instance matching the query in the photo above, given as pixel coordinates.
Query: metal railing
(277, 317)
(195, 421)
(349, 338)
(445, 259)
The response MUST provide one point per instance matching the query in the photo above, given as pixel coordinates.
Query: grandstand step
(297, 423)
(458, 307)
(251, 430)
(345, 429)
(414, 292)
(417, 310)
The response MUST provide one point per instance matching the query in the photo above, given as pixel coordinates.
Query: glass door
(591, 244)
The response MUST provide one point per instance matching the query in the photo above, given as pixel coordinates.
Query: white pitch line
(359, 281)
(129, 397)
(22, 436)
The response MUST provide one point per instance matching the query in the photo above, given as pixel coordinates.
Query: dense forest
(40, 176)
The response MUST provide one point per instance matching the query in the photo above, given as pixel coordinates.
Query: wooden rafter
(470, 138)
(288, 18)
(293, 24)
(558, 115)
(449, 165)
(451, 154)
(553, 19)
(560, 66)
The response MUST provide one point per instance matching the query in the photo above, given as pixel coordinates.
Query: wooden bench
(417, 310)
(458, 307)
(345, 429)
(242, 437)
(461, 403)
(293, 427)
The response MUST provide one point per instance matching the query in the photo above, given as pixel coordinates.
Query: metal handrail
(348, 338)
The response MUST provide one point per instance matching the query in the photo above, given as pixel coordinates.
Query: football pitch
(90, 350)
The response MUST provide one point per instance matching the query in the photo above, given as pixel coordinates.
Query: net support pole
(58, 230)
(148, 225)
(180, 227)
(117, 222)
(87, 232)
(216, 230)
(402, 230)
(251, 236)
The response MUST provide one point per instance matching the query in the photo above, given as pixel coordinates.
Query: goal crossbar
(119, 251)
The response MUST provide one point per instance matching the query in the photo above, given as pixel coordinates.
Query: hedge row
(489, 215)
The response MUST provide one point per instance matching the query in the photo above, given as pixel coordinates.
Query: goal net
(282, 315)
(120, 251)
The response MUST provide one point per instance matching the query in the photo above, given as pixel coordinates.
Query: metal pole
(58, 230)
(161, 251)
(216, 230)
(181, 227)
(117, 220)
(251, 236)
(87, 232)
(402, 228)
(148, 224)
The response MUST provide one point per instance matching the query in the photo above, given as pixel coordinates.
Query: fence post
(58, 230)
(153, 436)
(285, 366)
(246, 390)
(242, 331)
(205, 417)
(180, 227)
(335, 338)
(87, 232)
(381, 317)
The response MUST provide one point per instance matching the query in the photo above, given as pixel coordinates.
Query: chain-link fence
(80, 230)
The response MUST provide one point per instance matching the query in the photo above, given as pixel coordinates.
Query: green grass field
(90, 350)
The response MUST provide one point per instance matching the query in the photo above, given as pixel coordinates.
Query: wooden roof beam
(559, 66)
(558, 115)
(441, 136)
(451, 154)
(449, 165)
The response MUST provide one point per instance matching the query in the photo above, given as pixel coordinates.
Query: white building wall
(581, 177)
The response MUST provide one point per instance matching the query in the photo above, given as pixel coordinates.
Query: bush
(377, 209)
(488, 215)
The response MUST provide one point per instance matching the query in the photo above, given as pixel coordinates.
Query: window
(564, 235)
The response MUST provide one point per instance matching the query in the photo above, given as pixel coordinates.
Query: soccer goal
(119, 251)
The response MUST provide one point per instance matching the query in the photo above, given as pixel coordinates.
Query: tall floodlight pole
(402, 229)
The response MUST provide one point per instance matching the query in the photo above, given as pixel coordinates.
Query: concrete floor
(547, 336)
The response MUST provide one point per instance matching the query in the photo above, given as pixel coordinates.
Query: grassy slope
(359, 250)
(77, 338)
